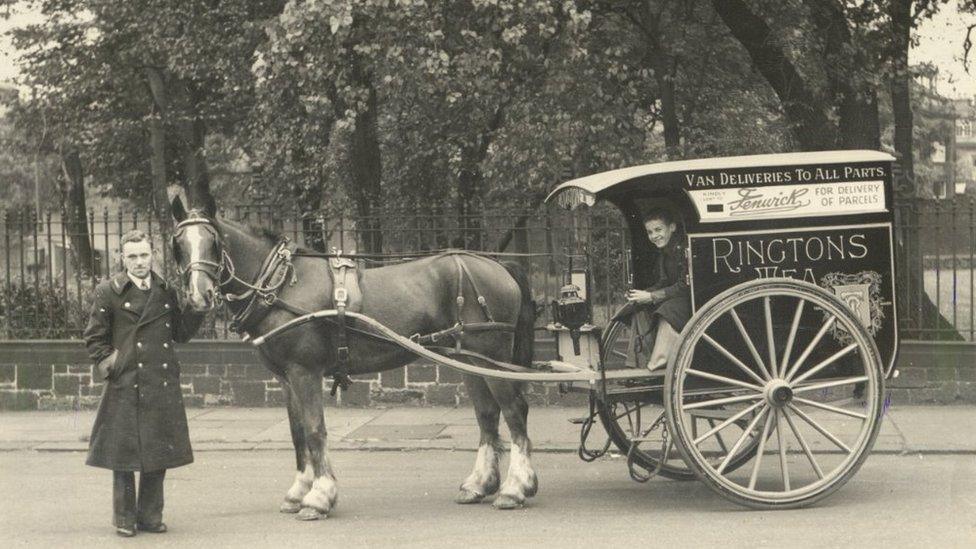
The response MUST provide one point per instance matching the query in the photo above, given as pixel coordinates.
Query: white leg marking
(323, 495)
(521, 481)
(483, 479)
(302, 484)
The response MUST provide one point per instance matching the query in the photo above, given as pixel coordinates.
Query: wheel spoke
(720, 401)
(771, 345)
(724, 379)
(827, 384)
(726, 423)
(718, 436)
(810, 347)
(748, 340)
(759, 454)
(618, 354)
(792, 337)
(718, 346)
(830, 408)
(819, 428)
(782, 452)
(803, 444)
(833, 358)
(746, 433)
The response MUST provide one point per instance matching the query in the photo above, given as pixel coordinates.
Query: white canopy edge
(584, 190)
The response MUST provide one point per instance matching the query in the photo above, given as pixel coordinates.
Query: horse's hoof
(506, 502)
(290, 507)
(467, 496)
(310, 513)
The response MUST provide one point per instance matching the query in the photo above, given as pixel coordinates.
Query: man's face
(659, 232)
(137, 258)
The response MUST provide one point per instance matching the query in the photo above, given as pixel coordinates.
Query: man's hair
(134, 235)
(659, 214)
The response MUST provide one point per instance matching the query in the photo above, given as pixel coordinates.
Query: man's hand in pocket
(106, 368)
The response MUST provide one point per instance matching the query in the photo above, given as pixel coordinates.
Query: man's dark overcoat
(141, 423)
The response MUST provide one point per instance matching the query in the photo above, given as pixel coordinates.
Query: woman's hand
(644, 297)
(640, 297)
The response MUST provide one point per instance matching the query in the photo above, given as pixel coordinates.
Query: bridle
(223, 272)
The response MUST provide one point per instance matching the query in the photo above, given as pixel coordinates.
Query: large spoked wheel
(795, 360)
(633, 416)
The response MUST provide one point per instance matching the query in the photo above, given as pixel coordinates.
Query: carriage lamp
(575, 336)
(570, 309)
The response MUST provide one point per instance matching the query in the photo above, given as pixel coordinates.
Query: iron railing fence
(46, 295)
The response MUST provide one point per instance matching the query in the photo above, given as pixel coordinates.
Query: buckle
(340, 295)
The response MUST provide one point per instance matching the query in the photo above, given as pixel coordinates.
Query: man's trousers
(144, 508)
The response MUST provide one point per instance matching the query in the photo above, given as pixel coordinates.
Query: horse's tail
(525, 325)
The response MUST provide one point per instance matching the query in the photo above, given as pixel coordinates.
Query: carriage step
(579, 420)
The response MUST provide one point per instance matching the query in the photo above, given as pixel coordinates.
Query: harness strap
(474, 285)
(340, 295)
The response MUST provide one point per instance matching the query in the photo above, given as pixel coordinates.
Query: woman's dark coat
(675, 307)
(672, 268)
(141, 423)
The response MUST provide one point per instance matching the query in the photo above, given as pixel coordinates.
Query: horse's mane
(264, 233)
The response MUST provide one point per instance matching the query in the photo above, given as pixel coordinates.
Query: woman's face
(659, 232)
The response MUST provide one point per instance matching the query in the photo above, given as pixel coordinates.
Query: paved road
(404, 499)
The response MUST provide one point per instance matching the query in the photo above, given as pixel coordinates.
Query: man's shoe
(125, 532)
(153, 528)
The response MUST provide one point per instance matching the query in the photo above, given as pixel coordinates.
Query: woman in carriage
(661, 310)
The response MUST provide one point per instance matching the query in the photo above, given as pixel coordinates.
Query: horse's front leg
(303, 474)
(521, 481)
(484, 479)
(323, 493)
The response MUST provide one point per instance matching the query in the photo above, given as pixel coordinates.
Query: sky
(940, 43)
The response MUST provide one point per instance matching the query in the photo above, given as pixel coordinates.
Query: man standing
(141, 423)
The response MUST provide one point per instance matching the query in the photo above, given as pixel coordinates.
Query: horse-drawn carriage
(773, 394)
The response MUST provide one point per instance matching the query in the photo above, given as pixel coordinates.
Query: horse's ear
(179, 212)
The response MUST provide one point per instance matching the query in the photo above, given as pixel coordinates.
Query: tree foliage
(362, 105)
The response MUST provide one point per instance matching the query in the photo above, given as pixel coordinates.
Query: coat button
(165, 383)
(126, 304)
(165, 365)
(166, 305)
(167, 324)
(135, 385)
(139, 344)
(166, 345)
(140, 365)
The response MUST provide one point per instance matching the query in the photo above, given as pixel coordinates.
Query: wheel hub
(778, 393)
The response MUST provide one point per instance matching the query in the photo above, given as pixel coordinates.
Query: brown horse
(220, 259)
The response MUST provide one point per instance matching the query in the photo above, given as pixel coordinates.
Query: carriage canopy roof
(587, 190)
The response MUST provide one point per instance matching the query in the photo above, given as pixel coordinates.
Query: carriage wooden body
(783, 250)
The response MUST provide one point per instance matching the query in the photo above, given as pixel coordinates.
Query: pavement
(949, 429)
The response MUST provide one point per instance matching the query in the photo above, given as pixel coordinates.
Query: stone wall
(57, 375)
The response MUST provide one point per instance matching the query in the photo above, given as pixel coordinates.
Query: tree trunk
(366, 169)
(805, 111)
(74, 211)
(157, 146)
(191, 135)
(901, 99)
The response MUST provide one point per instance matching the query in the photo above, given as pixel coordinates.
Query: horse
(219, 259)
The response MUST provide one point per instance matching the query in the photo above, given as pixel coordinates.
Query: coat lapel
(157, 304)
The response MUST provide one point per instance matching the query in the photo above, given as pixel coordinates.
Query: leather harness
(277, 270)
